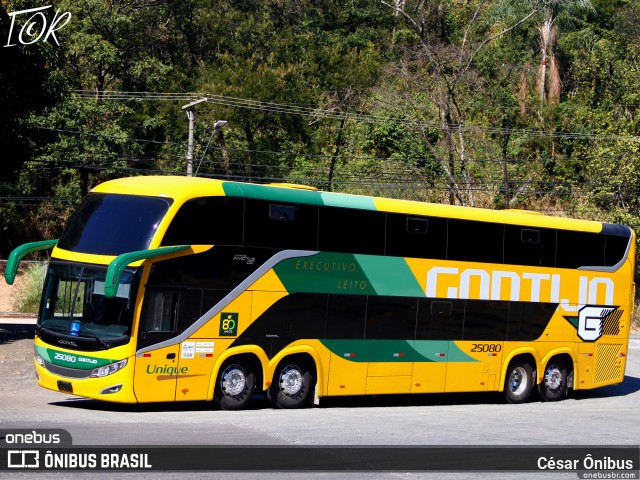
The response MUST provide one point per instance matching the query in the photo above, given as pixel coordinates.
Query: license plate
(65, 386)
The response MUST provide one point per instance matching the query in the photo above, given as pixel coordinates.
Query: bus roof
(181, 189)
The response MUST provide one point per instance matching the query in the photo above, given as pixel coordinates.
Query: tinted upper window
(529, 246)
(207, 221)
(351, 231)
(475, 241)
(579, 249)
(615, 249)
(416, 236)
(278, 225)
(110, 224)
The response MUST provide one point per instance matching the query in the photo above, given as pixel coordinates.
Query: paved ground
(606, 416)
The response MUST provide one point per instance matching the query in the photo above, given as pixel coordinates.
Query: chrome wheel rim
(291, 381)
(553, 377)
(518, 381)
(234, 381)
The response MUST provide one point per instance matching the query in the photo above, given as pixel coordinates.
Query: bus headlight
(39, 359)
(108, 369)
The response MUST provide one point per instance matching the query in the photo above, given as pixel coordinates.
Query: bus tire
(293, 384)
(518, 382)
(235, 385)
(554, 384)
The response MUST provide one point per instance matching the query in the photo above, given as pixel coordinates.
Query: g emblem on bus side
(590, 320)
(228, 324)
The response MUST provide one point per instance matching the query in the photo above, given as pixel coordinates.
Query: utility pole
(191, 116)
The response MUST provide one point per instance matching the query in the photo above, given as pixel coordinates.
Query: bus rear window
(110, 224)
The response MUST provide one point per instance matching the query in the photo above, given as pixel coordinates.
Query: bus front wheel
(519, 382)
(554, 385)
(293, 384)
(235, 385)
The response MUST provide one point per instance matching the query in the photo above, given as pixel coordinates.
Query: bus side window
(486, 320)
(416, 237)
(278, 225)
(391, 318)
(529, 246)
(616, 248)
(282, 213)
(161, 311)
(440, 319)
(207, 221)
(417, 225)
(471, 241)
(580, 249)
(351, 231)
(346, 316)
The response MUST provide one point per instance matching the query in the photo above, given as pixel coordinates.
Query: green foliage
(346, 95)
(30, 292)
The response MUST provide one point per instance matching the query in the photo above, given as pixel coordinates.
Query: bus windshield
(74, 306)
(112, 224)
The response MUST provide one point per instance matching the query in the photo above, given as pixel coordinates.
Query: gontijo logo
(480, 284)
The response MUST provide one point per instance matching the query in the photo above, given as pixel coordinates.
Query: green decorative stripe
(390, 276)
(349, 274)
(118, 264)
(573, 321)
(324, 273)
(397, 351)
(294, 195)
(22, 251)
(348, 201)
(430, 348)
(71, 360)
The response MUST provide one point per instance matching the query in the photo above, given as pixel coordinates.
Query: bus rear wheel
(554, 385)
(518, 382)
(293, 384)
(235, 385)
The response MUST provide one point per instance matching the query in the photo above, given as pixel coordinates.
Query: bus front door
(156, 373)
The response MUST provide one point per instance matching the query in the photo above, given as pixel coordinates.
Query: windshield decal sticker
(75, 329)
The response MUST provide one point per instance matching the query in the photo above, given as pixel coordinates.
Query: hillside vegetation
(529, 104)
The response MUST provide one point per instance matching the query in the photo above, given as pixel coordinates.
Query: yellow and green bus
(166, 289)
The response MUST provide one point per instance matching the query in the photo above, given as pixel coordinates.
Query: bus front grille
(66, 372)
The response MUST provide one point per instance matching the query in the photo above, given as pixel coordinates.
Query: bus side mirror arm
(118, 264)
(13, 262)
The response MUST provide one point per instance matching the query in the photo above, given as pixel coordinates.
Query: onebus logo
(23, 459)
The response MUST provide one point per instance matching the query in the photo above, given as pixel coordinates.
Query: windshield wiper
(102, 343)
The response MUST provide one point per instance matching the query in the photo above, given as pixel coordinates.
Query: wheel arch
(522, 354)
(566, 354)
(251, 353)
(299, 350)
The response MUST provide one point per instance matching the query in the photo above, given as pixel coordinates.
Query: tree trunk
(224, 151)
(250, 142)
(336, 152)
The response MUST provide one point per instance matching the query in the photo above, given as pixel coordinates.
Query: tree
(450, 36)
(549, 85)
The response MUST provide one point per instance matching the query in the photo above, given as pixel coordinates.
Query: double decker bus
(168, 289)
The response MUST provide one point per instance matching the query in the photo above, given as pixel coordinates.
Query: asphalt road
(606, 416)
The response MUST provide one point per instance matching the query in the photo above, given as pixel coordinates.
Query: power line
(336, 114)
(510, 161)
